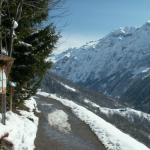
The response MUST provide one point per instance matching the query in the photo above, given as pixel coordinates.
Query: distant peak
(147, 24)
(89, 44)
(123, 31)
(118, 32)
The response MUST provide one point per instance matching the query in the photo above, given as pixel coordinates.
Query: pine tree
(31, 46)
(31, 60)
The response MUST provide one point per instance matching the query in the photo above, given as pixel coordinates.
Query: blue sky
(87, 20)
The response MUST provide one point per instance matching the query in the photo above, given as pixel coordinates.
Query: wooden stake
(11, 96)
(3, 101)
(3, 111)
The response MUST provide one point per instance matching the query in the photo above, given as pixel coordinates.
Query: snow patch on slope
(68, 87)
(31, 104)
(124, 112)
(59, 119)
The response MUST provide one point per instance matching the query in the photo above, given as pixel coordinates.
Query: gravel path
(52, 134)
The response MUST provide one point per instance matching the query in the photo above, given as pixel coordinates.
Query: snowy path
(109, 135)
(60, 129)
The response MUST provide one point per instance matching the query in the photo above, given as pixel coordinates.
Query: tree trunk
(17, 17)
(1, 1)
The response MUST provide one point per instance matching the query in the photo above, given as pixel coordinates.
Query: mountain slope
(53, 83)
(117, 65)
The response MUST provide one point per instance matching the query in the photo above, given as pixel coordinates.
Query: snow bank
(31, 104)
(21, 128)
(109, 135)
(124, 112)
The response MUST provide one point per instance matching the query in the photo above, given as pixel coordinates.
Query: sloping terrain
(130, 121)
(109, 135)
(117, 65)
(53, 83)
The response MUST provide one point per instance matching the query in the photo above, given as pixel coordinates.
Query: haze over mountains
(117, 65)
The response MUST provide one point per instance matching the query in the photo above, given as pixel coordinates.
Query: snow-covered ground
(21, 128)
(109, 135)
(124, 112)
(59, 119)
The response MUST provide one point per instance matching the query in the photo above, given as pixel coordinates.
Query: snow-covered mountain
(118, 65)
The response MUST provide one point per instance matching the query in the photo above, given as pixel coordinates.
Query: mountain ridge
(117, 65)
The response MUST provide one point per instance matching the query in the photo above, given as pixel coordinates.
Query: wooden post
(3, 109)
(11, 96)
(12, 86)
(6, 64)
(3, 99)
